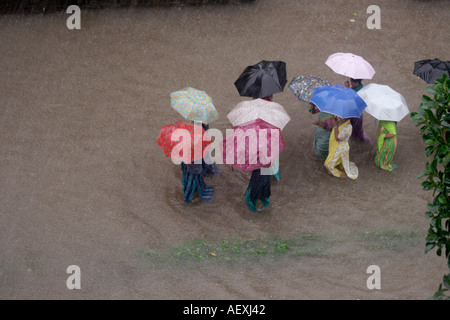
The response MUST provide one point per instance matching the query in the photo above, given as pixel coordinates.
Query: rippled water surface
(83, 181)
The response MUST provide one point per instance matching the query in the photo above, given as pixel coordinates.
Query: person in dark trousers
(192, 179)
(357, 123)
(258, 189)
(208, 168)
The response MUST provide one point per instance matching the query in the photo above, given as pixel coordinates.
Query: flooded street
(83, 181)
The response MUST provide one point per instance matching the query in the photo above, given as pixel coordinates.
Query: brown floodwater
(83, 181)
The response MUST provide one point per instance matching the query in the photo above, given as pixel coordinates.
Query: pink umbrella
(252, 145)
(350, 65)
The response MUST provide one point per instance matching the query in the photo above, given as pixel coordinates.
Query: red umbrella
(183, 141)
(250, 147)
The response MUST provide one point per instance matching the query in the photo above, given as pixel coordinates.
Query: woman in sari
(209, 168)
(193, 182)
(258, 189)
(276, 164)
(387, 144)
(337, 162)
(322, 132)
(192, 178)
(357, 123)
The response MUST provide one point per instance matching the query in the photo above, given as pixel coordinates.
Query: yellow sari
(338, 162)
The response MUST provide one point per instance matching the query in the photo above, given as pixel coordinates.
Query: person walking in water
(357, 123)
(258, 189)
(338, 162)
(387, 145)
(192, 178)
(322, 132)
(209, 167)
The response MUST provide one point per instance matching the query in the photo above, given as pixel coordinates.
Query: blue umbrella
(338, 100)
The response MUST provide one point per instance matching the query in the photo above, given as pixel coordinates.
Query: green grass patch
(203, 250)
(391, 239)
(234, 249)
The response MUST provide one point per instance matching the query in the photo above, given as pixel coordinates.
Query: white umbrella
(250, 110)
(384, 103)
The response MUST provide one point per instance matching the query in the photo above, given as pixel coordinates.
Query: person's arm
(386, 133)
(336, 133)
(320, 124)
(336, 130)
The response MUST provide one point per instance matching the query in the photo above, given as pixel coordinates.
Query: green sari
(386, 146)
(322, 136)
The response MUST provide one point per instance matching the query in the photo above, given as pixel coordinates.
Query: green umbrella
(194, 105)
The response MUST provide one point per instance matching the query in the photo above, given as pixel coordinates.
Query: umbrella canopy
(250, 110)
(350, 65)
(303, 86)
(262, 79)
(384, 103)
(253, 145)
(194, 141)
(338, 100)
(194, 105)
(431, 69)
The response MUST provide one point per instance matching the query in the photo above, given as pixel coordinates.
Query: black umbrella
(431, 69)
(262, 79)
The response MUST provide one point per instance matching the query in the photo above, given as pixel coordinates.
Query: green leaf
(414, 117)
(431, 116)
(422, 174)
(432, 208)
(442, 199)
(430, 89)
(426, 185)
(446, 160)
(446, 281)
(426, 99)
(429, 247)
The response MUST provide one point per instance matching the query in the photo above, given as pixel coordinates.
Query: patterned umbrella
(186, 136)
(338, 100)
(194, 105)
(350, 65)
(250, 146)
(250, 110)
(303, 86)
